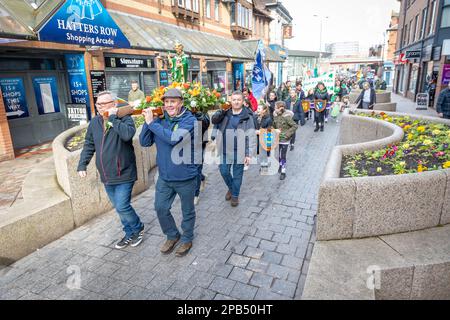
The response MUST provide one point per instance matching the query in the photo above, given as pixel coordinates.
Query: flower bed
(425, 147)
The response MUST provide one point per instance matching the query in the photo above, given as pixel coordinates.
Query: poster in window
(14, 98)
(46, 92)
(163, 78)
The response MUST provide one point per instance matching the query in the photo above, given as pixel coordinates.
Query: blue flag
(258, 76)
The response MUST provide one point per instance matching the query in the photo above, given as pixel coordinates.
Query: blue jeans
(166, 192)
(199, 179)
(234, 181)
(120, 197)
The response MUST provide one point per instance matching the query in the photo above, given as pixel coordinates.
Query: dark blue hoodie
(168, 133)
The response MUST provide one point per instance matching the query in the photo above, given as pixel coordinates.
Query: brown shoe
(183, 249)
(228, 196)
(169, 245)
(234, 202)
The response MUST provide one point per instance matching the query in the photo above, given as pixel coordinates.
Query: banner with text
(328, 79)
(83, 22)
(78, 86)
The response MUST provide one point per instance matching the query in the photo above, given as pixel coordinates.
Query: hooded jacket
(286, 124)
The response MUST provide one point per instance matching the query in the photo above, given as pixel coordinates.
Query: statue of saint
(179, 65)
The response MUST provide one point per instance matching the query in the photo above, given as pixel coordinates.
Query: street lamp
(321, 27)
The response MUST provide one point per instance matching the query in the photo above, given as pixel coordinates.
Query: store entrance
(34, 106)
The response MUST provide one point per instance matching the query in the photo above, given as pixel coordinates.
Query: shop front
(120, 70)
(35, 93)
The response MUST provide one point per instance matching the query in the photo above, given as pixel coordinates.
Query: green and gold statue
(179, 65)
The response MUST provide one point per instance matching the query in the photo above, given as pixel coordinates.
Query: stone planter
(373, 206)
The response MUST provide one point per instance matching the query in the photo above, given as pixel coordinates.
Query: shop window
(413, 78)
(208, 8)
(445, 22)
(433, 17)
(27, 64)
(150, 82)
(119, 83)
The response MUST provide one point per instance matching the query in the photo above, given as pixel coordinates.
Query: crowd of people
(250, 131)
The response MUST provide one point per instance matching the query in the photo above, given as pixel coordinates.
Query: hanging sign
(83, 22)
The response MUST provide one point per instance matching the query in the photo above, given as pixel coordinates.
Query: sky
(348, 20)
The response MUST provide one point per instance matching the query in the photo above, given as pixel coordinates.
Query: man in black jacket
(443, 103)
(236, 144)
(111, 139)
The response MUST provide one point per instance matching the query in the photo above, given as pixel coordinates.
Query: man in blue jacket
(178, 170)
(111, 139)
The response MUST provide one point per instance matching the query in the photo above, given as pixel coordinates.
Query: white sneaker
(245, 168)
(326, 120)
(196, 200)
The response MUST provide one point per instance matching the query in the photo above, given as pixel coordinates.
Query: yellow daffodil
(427, 142)
(410, 136)
(446, 165)
(421, 129)
(407, 127)
(436, 132)
(406, 146)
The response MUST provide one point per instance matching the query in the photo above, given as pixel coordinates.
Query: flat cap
(173, 93)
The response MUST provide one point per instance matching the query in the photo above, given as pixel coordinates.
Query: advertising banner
(46, 92)
(14, 98)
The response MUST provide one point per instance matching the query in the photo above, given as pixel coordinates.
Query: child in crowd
(284, 122)
(264, 121)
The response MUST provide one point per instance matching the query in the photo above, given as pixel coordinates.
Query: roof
(278, 4)
(18, 19)
(158, 36)
(260, 7)
(301, 53)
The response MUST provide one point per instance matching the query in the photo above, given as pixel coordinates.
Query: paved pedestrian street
(260, 250)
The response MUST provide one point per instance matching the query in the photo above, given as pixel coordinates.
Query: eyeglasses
(105, 103)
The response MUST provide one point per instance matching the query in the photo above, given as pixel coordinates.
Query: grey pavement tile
(238, 260)
(261, 280)
(243, 292)
(284, 288)
(201, 294)
(241, 275)
(222, 285)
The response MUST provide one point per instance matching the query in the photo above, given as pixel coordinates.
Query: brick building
(423, 27)
(45, 75)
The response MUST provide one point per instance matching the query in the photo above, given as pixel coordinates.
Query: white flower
(193, 103)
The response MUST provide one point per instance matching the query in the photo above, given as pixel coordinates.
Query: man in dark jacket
(236, 143)
(111, 139)
(443, 103)
(178, 171)
(367, 98)
(294, 104)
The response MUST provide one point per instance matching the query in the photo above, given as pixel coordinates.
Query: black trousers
(295, 134)
(319, 117)
(283, 154)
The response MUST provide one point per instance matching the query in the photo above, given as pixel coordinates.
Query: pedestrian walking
(367, 98)
(177, 176)
(284, 122)
(236, 143)
(111, 139)
(443, 103)
(320, 93)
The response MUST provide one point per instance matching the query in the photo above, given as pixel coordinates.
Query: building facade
(390, 48)
(51, 68)
(424, 25)
(301, 64)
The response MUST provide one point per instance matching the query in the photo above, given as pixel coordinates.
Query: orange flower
(186, 85)
(217, 95)
(161, 88)
(148, 99)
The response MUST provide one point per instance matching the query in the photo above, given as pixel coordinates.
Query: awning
(20, 20)
(154, 35)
